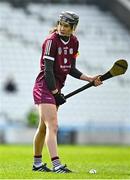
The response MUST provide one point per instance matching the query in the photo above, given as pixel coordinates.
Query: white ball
(92, 171)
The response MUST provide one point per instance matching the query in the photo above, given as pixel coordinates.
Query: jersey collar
(65, 42)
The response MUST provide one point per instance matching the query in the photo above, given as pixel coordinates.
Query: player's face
(64, 29)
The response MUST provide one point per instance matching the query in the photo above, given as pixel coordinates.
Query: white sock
(38, 161)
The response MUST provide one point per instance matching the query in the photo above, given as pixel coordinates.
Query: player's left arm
(74, 72)
(79, 75)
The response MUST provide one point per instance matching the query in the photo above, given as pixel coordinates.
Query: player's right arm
(49, 76)
(49, 58)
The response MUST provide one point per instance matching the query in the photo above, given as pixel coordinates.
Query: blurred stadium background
(96, 116)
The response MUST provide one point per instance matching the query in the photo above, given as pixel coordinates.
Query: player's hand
(97, 81)
(59, 98)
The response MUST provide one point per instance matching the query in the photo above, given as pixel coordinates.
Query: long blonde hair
(52, 30)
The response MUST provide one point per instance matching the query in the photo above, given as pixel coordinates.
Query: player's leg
(39, 138)
(49, 112)
(38, 143)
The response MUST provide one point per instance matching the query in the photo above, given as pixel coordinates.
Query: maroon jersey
(62, 53)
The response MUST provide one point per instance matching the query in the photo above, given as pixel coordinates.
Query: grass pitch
(110, 162)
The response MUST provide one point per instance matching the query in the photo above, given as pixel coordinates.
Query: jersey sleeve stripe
(48, 57)
(46, 50)
(48, 47)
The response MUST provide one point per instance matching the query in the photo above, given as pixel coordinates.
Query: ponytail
(54, 29)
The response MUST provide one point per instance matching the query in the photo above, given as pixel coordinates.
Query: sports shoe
(42, 168)
(61, 169)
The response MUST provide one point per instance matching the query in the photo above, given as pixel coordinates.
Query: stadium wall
(101, 122)
(121, 9)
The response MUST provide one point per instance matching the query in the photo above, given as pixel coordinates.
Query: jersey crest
(59, 50)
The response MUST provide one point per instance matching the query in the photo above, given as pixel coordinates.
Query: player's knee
(53, 127)
(42, 127)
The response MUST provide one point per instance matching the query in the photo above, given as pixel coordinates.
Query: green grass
(111, 162)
